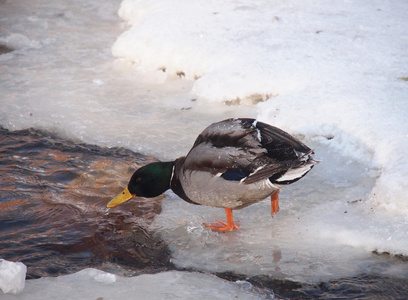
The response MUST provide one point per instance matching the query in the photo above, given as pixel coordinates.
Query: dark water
(53, 214)
(53, 218)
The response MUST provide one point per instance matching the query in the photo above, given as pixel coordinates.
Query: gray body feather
(237, 162)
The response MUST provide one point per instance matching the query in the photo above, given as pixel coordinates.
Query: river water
(52, 210)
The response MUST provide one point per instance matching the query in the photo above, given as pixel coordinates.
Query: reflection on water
(53, 218)
(53, 214)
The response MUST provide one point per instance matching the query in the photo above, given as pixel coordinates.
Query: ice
(72, 85)
(330, 73)
(321, 232)
(86, 284)
(18, 41)
(12, 276)
(106, 278)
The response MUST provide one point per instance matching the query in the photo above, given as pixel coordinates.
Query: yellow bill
(121, 198)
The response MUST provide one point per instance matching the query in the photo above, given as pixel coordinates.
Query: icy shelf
(95, 284)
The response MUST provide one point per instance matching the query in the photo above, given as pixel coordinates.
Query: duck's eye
(138, 179)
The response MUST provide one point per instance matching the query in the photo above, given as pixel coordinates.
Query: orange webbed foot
(275, 202)
(221, 226)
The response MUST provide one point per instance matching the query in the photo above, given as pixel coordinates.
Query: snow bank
(12, 276)
(221, 44)
(95, 284)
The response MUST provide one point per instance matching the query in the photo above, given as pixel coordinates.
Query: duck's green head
(149, 181)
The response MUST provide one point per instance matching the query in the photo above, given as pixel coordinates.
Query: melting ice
(95, 284)
(334, 74)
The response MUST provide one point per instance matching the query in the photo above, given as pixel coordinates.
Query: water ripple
(53, 214)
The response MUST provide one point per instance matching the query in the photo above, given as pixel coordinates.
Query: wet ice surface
(309, 240)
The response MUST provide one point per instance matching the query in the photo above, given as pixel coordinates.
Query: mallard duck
(232, 164)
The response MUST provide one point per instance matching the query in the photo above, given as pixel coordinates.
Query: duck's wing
(287, 159)
(246, 150)
(223, 146)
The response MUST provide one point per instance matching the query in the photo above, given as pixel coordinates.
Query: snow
(12, 276)
(210, 41)
(87, 284)
(329, 72)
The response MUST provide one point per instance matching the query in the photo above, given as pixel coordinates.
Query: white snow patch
(12, 276)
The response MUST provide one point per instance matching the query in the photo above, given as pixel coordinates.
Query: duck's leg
(221, 226)
(275, 202)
